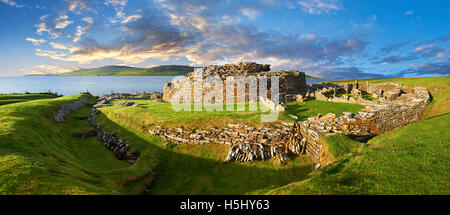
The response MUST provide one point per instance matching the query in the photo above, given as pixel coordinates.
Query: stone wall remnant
(66, 109)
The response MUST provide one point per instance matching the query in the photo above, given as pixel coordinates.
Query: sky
(332, 39)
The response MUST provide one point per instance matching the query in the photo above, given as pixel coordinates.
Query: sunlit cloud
(81, 30)
(131, 18)
(62, 22)
(42, 27)
(35, 42)
(58, 46)
(50, 69)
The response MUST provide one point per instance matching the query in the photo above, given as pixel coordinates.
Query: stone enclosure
(387, 106)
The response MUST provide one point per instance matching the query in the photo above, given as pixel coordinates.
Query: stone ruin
(290, 82)
(395, 106)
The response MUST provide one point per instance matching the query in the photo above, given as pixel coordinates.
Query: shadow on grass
(198, 169)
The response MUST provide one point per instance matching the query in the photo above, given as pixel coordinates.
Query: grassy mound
(41, 156)
(15, 98)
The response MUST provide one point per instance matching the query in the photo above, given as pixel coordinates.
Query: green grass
(15, 98)
(41, 156)
(150, 114)
(339, 146)
(309, 108)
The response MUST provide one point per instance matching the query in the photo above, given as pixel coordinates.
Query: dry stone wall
(66, 109)
(248, 142)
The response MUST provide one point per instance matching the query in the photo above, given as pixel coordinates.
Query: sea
(96, 85)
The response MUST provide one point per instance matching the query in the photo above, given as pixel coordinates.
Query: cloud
(50, 69)
(318, 6)
(81, 30)
(58, 46)
(393, 59)
(250, 13)
(42, 27)
(118, 6)
(430, 50)
(12, 3)
(199, 32)
(390, 47)
(349, 73)
(35, 42)
(61, 22)
(435, 69)
(409, 12)
(131, 18)
(43, 17)
(77, 6)
(116, 2)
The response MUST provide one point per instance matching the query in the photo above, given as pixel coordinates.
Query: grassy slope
(15, 98)
(410, 160)
(41, 156)
(198, 169)
(192, 169)
(169, 70)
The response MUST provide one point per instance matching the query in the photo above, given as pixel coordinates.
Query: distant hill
(167, 70)
(312, 78)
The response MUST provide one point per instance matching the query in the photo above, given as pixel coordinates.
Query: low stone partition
(66, 109)
(104, 100)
